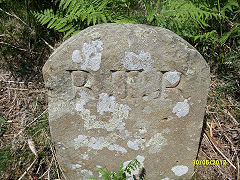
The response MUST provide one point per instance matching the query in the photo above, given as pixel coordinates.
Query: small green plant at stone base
(121, 174)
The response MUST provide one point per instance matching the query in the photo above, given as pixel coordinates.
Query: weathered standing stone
(120, 92)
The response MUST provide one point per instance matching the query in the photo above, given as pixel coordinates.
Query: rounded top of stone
(124, 47)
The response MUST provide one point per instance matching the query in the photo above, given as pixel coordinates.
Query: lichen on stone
(181, 108)
(106, 104)
(173, 77)
(156, 142)
(97, 143)
(179, 170)
(116, 147)
(76, 166)
(92, 55)
(137, 62)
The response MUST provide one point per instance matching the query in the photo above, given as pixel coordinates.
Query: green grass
(5, 158)
(3, 126)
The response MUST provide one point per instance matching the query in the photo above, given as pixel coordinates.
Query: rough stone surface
(124, 92)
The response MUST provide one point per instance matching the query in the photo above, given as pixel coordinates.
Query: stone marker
(124, 92)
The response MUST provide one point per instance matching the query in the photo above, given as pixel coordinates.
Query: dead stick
(31, 123)
(214, 143)
(238, 169)
(13, 15)
(56, 163)
(28, 169)
(13, 46)
(228, 113)
(47, 169)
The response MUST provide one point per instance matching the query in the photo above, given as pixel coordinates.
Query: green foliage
(74, 15)
(229, 73)
(5, 158)
(181, 16)
(227, 13)
(3, 126)
(22, 49)
(192, 20)
(121, 175)
(36, 130)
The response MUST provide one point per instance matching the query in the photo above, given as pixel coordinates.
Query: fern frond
(235, 30)
(133, 165)
(71, 31)
(229, 6)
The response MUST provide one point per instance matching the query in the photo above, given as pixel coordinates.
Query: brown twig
(231, 116)
(214, 143)
(28, 169)
(15, 16)
(2, 35)
(30, 123)
(15, 47)
(238, 169)
(55, 159)
(47, 169)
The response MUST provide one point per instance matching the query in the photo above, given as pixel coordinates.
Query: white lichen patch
(92, 55)
(173, 77)
(106, 104)
(137, 143)
(86, 173)
(81, 141)
(97, 143)
(59, 108)
(84, 156)
(190, 72)
(156, 143)
(60, 145)
(76, 166)
(76, 56)
(147, 110)
(140, 159)
(118, 115)
(143, 130)
(133, 145)
(137, 62)
(181, 108)
(122, 130)
(83, 100)
(116, 147)
(179, 170)
(166, 178)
